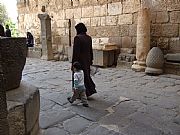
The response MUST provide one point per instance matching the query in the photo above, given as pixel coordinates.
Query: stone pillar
(4, 128)
(46, 38)
(143, 39)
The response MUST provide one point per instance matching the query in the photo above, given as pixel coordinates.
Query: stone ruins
(108, 21)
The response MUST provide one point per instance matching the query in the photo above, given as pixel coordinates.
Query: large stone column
(4, 129)
(143, 39)
(46, 38)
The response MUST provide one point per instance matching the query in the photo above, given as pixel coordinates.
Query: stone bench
(23, 106)
(173, 57)
(104, 54)
(172, 64)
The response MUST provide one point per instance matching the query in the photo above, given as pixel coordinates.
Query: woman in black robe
(83, 53)
(2, 34)
(30, 40)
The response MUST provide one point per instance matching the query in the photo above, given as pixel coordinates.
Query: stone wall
(107, 21)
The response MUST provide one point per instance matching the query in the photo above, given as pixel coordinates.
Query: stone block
(103, 58)
(133, 30)
(159, 5)
(153, 42)
(76, 125)
(76, 3)
(92, 31)
(77, 13)
(135, 18)
(61, 14)
(100, 10)
(66, 4)
(107, 31)
(116, 40)
(86, 21)
(104, 40)
(170, 30)
(62, 23)
(77, 21)
(34, 52)
(173, 57)
(111, 20)
(175, 17)
(59, 4)
(16, 118)
(127, 50)
(115, 8)
(97, 10)
(32, 111)
(103, 21)
(85, 2)
(126, 42)
(124, 30)
(96, 21)
(162, 17)
(87, 11)
(133, 42)
(153, 17)
(173, 5)
(23, 107)
(95, 41)
(54, 48)
(102, 2)
(69, 13)
(174, 45)
(131, 6)
(13, 58)
(105, 45)
(172, 68)
(163, 43)
(64, 40)
(69, 51)
(125, 19)
(56, 39)
(61, 31)
(61, 49)
(156, 30)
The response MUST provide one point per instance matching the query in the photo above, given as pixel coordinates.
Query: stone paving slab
(55, 131)
(127, 102)
(56, 114)
(99, 130)
(76, 125)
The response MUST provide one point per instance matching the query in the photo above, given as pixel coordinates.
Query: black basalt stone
(13, 53)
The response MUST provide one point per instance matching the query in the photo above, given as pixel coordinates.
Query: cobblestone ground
(127, 102)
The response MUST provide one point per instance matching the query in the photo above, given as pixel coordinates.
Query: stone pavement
(127, 102)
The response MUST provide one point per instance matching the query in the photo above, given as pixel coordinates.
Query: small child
(78, 88)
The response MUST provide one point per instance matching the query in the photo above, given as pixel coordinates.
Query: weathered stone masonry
(107, 21)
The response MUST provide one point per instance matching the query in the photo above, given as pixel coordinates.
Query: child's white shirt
(79, 80)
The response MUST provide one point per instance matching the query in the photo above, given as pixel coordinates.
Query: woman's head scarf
(80, 28)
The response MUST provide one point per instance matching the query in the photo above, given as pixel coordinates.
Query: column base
(153, 71)
(45, 57)
(139, 66)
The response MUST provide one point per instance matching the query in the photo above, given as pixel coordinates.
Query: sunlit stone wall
(107, 21)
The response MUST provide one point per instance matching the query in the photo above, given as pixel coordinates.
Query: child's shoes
(69, 99)
(85, 105)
